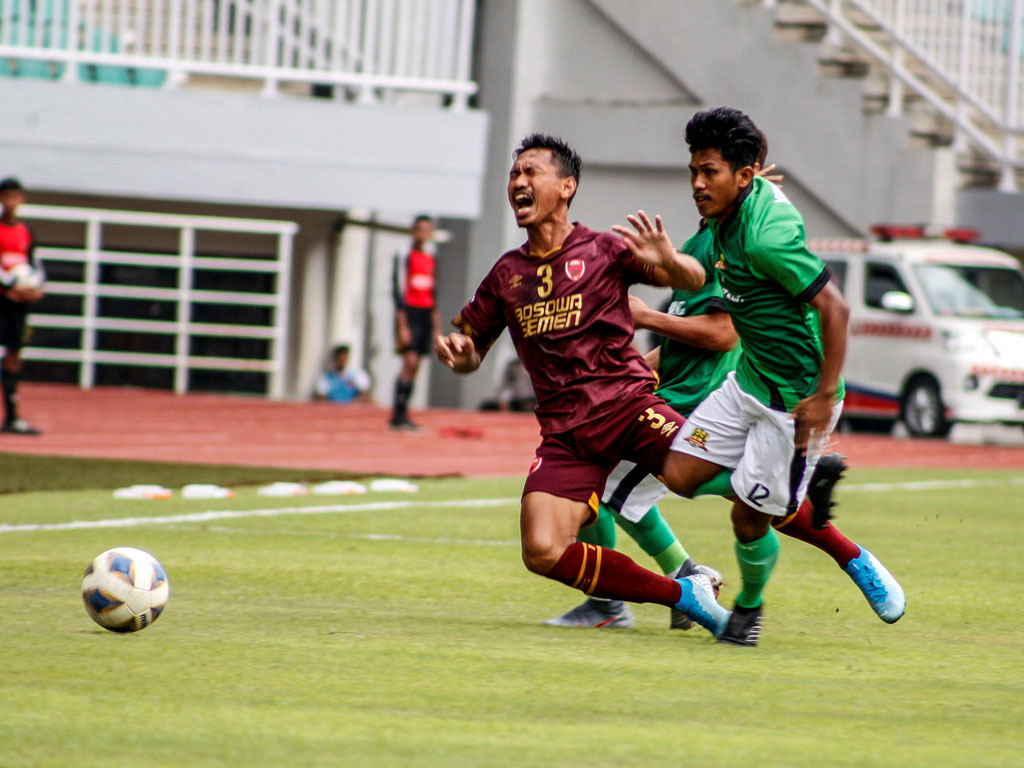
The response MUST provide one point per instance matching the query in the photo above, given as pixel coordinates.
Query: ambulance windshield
(960, 290)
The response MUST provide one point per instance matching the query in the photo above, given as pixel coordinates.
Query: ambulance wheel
(922, 410)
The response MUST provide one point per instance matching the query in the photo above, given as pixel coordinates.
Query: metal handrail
(971, 48)
(186, 262)
(368, 46)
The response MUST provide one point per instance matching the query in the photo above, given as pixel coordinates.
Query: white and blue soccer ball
(125, 589)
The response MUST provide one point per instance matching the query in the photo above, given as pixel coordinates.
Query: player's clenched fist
(458, 352)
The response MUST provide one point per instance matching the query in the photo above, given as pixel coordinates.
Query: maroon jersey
(568, 313)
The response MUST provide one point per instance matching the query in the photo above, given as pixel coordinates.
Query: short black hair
(762, 153)
(729, 131)
(340, 348)
(568, 162)
(423, 217)
(10, 183)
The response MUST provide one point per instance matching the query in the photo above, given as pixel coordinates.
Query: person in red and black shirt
(16, 245)
(416, 318)
(564, 297)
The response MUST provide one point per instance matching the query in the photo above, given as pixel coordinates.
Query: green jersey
(768, 276)
(688, 374)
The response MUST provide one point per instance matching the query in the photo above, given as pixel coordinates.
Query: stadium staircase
(932, 77)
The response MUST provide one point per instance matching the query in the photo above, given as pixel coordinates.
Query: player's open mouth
(522, 201)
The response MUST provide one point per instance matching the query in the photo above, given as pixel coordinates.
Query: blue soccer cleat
(883, 592)
(697, 601)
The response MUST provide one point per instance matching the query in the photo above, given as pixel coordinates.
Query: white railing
(964, 57)
(365, 46)
(91, 257)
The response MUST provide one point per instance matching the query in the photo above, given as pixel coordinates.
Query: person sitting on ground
(342, 383)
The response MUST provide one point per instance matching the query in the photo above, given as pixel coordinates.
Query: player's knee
(749, 524)
(540, 558)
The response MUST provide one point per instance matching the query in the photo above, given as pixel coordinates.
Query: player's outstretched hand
(647, 241)
(766, 172)
(812, 415)
(458, 352)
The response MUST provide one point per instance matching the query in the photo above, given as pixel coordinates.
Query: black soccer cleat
(744, 627)
(19, 427)
(827, 473)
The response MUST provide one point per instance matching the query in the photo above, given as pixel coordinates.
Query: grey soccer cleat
(678, 619)
(595, 612)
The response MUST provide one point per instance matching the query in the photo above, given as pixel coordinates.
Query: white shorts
(735, 430)
(631, 491)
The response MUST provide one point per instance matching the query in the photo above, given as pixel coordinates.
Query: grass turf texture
(20, 473)
(409, 636)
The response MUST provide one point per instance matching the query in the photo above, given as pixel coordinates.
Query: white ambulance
(936, 329)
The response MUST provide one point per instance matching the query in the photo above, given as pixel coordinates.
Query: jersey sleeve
(483, 317)
(779, 251)
(398, 281)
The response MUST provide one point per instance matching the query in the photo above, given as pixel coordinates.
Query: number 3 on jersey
(657, 421)
(546, 284)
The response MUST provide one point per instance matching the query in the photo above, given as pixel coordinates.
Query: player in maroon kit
(416, 318)
(564, 297)
(16, 244)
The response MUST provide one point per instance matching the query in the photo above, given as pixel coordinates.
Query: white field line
(360, 536)
(226, 514)
(202, 517)
(933, 485)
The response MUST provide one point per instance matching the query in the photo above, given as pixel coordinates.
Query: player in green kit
(771, 418)
(697, 351)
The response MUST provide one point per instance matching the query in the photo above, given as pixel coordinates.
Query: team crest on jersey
(516, 281)
(698, 439)
(574, 269)
(720, 264)
(535, 464)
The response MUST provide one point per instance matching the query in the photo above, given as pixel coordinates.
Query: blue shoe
(698, 602)
(678, 619)
(883, 592)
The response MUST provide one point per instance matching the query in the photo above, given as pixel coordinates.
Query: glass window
(837, 270)
(956, 290)
(879, 279)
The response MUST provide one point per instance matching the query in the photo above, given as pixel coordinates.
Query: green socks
(655, 537)
(602, 532)
(719, 485)
(756, 559)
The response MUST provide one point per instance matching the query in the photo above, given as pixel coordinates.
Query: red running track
(153, 425)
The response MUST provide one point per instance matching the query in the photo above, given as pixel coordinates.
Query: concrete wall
(239, 148)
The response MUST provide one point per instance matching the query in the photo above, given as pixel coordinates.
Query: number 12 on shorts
(758, 493)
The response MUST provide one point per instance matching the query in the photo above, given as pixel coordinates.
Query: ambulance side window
(837, 273)
(879, 279)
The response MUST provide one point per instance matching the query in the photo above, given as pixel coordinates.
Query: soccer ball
(125, 589)
(26, 276)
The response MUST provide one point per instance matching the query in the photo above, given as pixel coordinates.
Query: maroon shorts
(574, 465)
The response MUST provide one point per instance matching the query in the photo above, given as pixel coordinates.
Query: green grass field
(403, 631)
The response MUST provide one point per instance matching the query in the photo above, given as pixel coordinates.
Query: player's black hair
(568, 162)
(340, 348)
(423, 217)
(730, 132)
(10, 183)
(762, 153)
